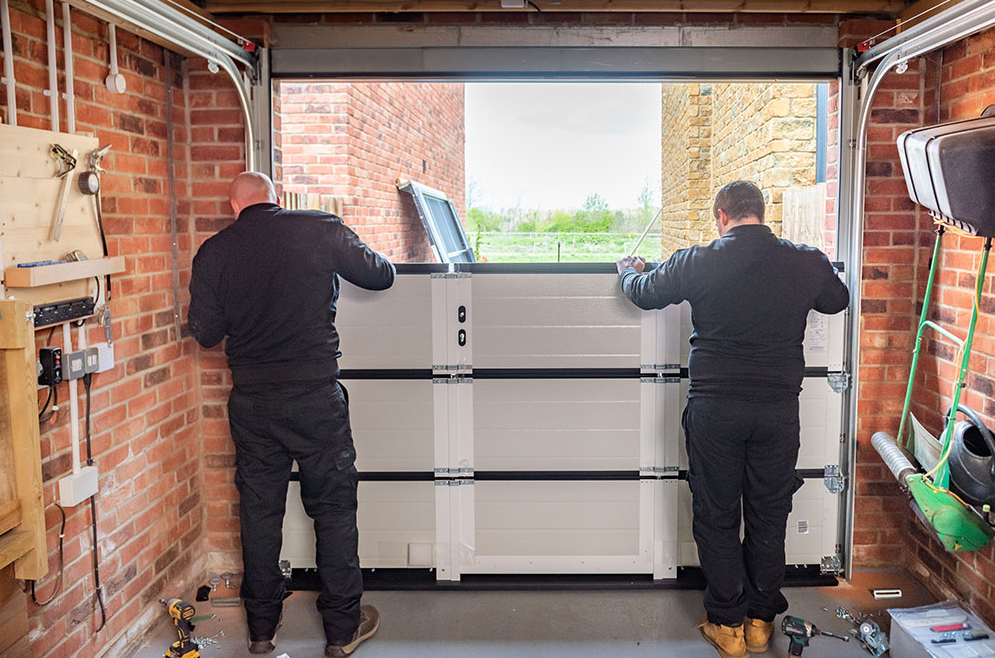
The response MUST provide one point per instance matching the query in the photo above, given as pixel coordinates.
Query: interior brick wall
(356, 140)
(146, 410)
(958, 85)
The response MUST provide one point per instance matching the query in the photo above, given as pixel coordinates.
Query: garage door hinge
(658, 471)
(660, 379)
(839, 381)
(834, 479)
(653, 367)
(831, 565)
(452, 379)
(285, 569)
(465, 472)
(454, 482)
(451, 275)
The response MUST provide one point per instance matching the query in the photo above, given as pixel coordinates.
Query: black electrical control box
(64, 311)
(51, 366)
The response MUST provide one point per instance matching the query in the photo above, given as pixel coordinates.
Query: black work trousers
(272, 427)
(742, 458)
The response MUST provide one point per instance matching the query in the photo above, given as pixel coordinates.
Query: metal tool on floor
(871, 637)
(181, 613)
(801, 632)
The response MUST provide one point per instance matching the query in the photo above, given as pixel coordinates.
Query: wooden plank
(29, 194)
(32, 277)
(13, 615)
(721, 6)
(803, 215)
(19, 416)
(917, 12)
(10, 512)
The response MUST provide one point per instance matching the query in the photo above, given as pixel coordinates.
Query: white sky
(550, 145)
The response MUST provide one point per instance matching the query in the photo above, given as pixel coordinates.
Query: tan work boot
(727, 640)
(369, 622)
(758, 634)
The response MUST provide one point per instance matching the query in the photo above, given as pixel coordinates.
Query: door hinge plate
(838, 381)
(834, 479)
(831, 565)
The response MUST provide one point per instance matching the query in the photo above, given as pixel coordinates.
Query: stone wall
(761, 132)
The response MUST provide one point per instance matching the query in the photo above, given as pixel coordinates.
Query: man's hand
(635, 262)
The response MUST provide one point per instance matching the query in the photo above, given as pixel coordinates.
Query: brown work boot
(758, 634)
(369, 622)
(727, 640)
(265, 646)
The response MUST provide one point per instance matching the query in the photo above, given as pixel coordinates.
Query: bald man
(269, 283)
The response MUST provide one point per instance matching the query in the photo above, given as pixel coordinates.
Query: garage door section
(526, 420)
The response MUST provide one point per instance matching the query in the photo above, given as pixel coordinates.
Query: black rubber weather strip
(814, 371)
(386, 373)
(555, 373)
(384, 476)
(800, 575)
(804, 473)
(558, 476)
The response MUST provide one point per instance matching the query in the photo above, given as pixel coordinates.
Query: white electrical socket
(105, 356)
(77, 487)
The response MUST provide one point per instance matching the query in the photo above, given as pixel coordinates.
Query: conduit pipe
(8, 63)
(67, 47)
(53, 72)
(115, 82)
(173, 27)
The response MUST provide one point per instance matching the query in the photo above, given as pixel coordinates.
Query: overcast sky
(550, 145)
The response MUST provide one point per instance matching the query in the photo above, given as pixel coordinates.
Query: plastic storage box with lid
(912, 634)
(949, 168)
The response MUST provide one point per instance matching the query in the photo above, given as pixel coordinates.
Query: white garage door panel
(811, 529)
(391, 516)
(820, 415)
(823, 342)
(386, 329)
(556, 424)
(393, 424)
(546, 321)
(557, 518)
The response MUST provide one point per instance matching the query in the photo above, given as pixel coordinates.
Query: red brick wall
(145, 410)
(965, 87)
(356, 140)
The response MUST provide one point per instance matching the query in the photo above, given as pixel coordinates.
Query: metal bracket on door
(453, 379)
(838, 381)
(658, 471)
(831, 565)
(834, 479)
(285, 569)
(660, 379)
(659, 366)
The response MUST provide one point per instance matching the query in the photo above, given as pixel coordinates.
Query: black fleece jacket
(750, 295)
(269, 282)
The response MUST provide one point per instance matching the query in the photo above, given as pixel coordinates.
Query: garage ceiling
(757, 6)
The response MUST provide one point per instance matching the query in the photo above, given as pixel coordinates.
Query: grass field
(501, 247)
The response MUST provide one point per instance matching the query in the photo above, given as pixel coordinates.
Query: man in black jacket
(269, 282)
(750, 296)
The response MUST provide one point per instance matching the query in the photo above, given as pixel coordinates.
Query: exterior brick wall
(717, 133)
(145, 412)
(357, 140)
(686, 154)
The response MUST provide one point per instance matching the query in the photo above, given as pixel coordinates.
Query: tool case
(950, 169)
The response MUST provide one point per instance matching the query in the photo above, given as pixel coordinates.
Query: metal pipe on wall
(67, 47)
(8, 63)
(53, 72)
(196, 39)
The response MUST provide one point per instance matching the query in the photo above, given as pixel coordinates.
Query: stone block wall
(761, 132)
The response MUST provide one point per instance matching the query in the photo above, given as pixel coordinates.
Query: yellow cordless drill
(181, 613)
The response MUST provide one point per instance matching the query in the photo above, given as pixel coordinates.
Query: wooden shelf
(14, 545)
(45, 275)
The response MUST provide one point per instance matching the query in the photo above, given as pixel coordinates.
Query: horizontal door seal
(556, 373)
(384, 476)
(386, 373)
(531, 476)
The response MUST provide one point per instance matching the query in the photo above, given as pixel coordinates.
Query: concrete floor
(543, 624)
